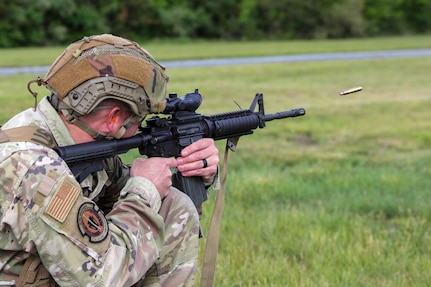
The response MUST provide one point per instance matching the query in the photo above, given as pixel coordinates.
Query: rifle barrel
(285, 114)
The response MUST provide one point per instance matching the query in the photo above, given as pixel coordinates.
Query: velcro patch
(92, 222)
(63, 200)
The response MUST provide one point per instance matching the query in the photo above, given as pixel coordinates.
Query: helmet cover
(106, 66)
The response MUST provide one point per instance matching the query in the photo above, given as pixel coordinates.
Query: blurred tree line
(53, 22)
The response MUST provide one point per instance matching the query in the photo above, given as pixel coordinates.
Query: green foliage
(343, 20)
(136, 19)
(417, 14)
(53, 22)
(17, 19)
(385, 17)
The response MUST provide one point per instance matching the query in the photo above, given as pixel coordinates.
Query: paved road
(259, 60)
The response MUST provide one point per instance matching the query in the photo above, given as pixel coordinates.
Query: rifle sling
(212, 244)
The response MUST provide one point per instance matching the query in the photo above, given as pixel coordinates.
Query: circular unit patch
(92, 222)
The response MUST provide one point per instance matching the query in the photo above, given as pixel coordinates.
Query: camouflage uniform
(110, 230)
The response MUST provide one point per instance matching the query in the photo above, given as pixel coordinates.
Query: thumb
(172, 162)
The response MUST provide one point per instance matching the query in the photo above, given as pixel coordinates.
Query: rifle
(167, 136)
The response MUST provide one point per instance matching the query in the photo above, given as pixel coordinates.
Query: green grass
(339, 197)
(167, 50)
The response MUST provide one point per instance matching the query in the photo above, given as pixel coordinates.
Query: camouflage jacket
(81, 236)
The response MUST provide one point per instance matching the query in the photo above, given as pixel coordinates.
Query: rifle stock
(167, 136)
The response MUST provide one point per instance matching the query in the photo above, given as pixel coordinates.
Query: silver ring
(205, 163)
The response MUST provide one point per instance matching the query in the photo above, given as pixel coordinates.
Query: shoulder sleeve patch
(92, 222)
(63, 200)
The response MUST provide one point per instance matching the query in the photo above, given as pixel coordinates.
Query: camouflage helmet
(103, 67)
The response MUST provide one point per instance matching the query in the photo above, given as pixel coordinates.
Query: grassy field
(203, 49)
(339, 197)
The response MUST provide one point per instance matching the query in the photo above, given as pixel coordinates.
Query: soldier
(122, 226)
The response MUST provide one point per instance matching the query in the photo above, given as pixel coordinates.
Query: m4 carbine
(167, 136)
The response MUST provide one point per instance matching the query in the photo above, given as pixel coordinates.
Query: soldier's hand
(157, 170)
(201, 158)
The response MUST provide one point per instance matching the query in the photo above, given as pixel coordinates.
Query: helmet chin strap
(128, 123)
(119, 133)
(97, 135)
